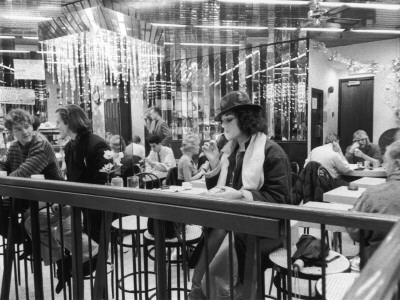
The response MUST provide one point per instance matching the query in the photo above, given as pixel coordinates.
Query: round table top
(339, 265)
(336, 285)
(365, 172)
(129, 223)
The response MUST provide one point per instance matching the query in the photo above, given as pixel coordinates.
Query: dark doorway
(317, 101)
(356, 108)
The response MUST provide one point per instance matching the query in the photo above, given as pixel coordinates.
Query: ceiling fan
(319, 17)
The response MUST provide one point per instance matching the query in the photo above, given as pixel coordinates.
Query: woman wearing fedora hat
(250, 167)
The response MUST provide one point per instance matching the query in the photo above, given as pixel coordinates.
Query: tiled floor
(19, 290)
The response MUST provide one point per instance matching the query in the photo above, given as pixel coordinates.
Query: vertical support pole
(159, 239)
(37, 262)
(76, 251)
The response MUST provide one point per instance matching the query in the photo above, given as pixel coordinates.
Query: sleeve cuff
(247, 195)
(214, 172)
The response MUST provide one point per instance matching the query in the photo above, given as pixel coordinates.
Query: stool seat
(192, 235)
(129, 223)
(336, 285)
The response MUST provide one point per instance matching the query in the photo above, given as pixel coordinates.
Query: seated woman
(251, 168)
(130, 163)
(186, 167)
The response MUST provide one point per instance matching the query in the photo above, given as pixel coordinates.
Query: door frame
(340, 100)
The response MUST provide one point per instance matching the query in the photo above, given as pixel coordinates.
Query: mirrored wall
(189, 90)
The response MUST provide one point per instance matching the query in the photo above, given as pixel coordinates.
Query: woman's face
(230, 124)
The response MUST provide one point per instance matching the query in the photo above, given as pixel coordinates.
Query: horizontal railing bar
(77, 194)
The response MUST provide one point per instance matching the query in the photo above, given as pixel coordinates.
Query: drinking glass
(117, 181)
(133, 182)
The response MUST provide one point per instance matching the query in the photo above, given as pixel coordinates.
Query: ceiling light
(286, 28)
(211, 45)
(168, 25)
(322, 29)
(376, 31)
(362, 5)
(231, 27)
(275, 2)
(30, 37)
(7, 37)
(26, 18)
(168, 43)
(14, 51)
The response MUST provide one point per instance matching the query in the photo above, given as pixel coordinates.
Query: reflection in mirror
(274, 76)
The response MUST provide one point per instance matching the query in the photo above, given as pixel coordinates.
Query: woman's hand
(227, 193)
(210, 149)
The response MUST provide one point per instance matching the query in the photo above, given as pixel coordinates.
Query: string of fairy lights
(114, 59)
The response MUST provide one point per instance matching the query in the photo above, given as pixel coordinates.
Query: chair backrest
(172, 177)
(388, 137)
(295, 167)
(148, 180)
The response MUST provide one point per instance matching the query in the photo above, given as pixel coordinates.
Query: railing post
(159, 240)
(37, 259)
(76, 252)
(8, 256)
(101, 267)
(250, 273)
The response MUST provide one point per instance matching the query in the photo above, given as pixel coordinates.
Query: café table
(367, 181)
(199, 183)
(336, 263)
(343, 195)
(336, 285)
(365, 172)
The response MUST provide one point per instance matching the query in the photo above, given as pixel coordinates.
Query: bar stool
(184, 244)
(336, 285)
(134, 226)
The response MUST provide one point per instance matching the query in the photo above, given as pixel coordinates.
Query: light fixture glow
(362, 5)
(210, 45)
(286, 28)
(168, 25)
(168, 43)
(274, 2)
(30, 37)
(26, 18)
(322, 29)
(231, 27)
(7, 37)
(376, 31)
(14, 51)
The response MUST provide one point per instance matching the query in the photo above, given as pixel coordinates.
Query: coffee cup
(3, 173)
(359, 165)
(366, 164)
(38, 176)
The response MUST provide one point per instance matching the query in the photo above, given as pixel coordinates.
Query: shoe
(88, 268)
(63, 277)
(27, 250)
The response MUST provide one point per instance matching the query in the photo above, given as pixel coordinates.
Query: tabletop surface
(343, 195)
(339, 265)
(368, 181)
(375, 172)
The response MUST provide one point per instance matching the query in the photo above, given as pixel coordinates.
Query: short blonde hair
(118, 141)
(190, 142)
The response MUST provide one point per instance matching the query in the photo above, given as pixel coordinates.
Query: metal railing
(257, 219)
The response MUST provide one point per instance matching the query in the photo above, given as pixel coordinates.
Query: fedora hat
(234, 101)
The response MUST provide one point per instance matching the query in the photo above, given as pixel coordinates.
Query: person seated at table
(128, 161)
(135, 148)
(363, 150)
(251, 168)
(330, 156)
(186, 168)
(161, 158)
(380, 199)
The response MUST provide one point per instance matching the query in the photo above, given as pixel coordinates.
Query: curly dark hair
(17, 116)
(250, 121)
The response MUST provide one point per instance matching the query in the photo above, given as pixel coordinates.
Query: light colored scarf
(253, 162)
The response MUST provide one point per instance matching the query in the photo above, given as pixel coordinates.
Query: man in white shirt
(330, 156)
(161, 158)
(135, 148)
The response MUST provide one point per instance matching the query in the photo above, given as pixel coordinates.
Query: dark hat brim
(255, 107)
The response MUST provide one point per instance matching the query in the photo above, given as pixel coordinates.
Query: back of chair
(172, 177)
(325, 183)
(148, 180)
(295, 167)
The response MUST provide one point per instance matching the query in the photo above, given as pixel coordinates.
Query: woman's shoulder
(184, 159)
